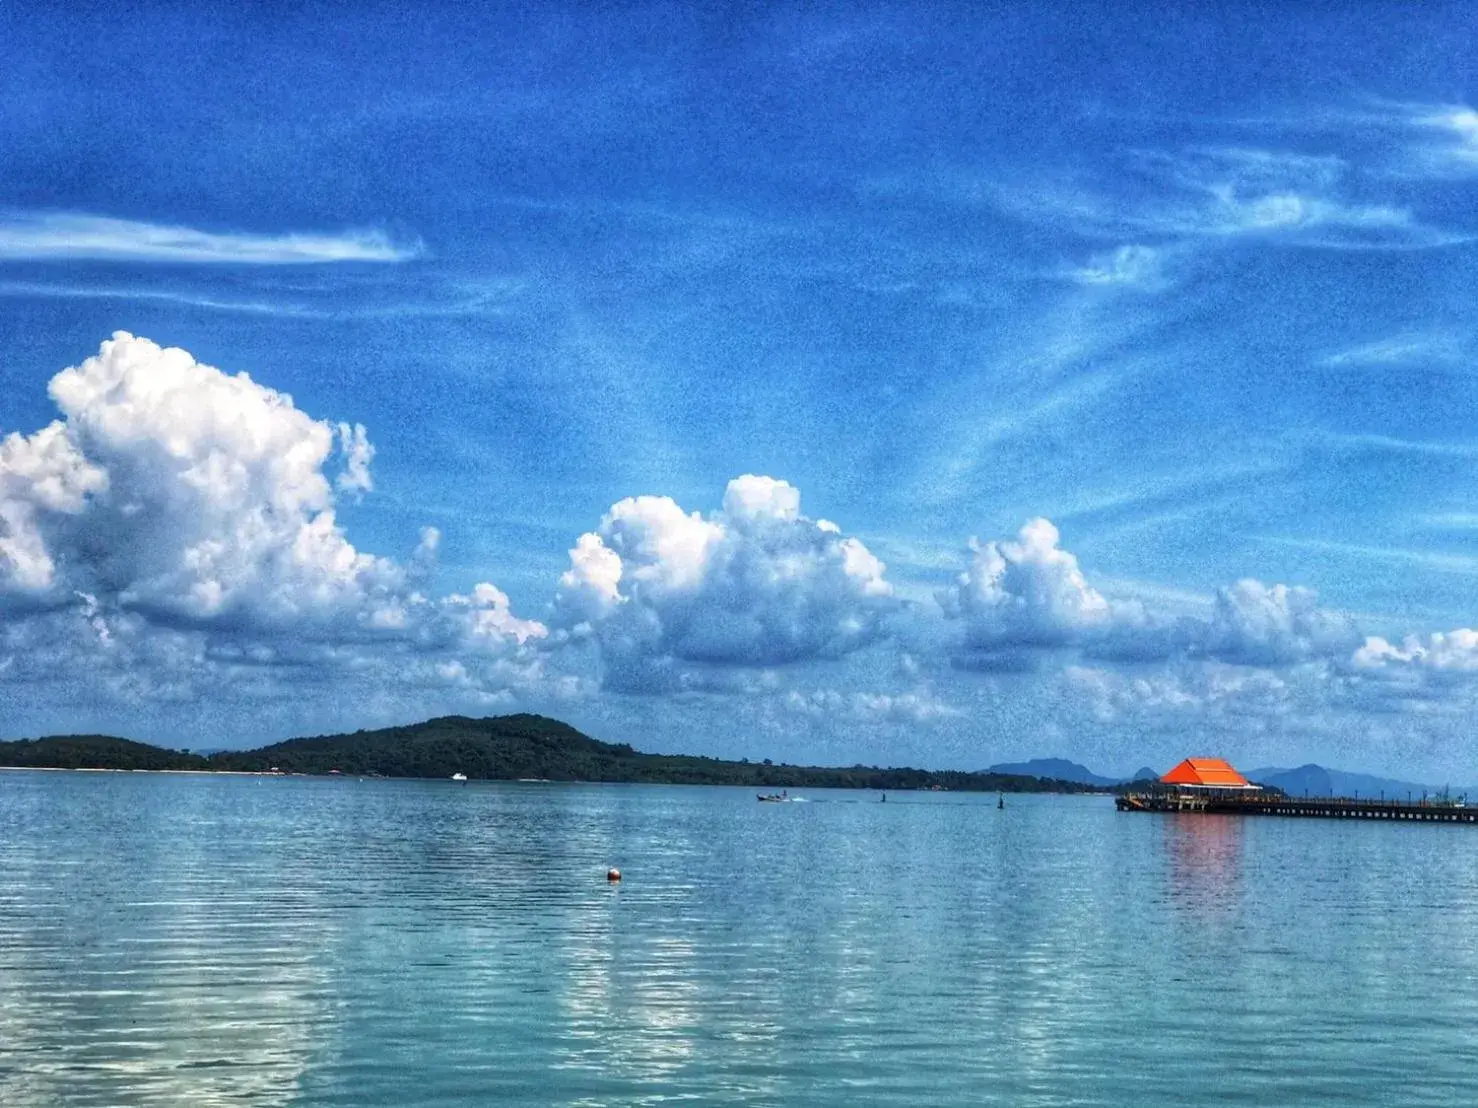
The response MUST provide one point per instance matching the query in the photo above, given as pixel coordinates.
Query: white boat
(459, 777)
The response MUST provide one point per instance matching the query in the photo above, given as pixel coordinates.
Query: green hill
(501, 748)
(94, 752)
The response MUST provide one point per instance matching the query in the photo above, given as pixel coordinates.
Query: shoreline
(197, 773)
(521, 780)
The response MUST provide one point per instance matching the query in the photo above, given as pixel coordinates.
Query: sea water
(208, 940)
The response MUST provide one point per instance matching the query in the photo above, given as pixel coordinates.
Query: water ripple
(209, 941)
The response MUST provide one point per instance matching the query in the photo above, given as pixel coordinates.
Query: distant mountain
(1308, 780)
(1315, 780)
(1305, 780)
(500, 748)
(1059, 769)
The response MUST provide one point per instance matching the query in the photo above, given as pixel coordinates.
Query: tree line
(500, 748)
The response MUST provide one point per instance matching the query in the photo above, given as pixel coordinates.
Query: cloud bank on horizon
(1139, 393)
(173, 538)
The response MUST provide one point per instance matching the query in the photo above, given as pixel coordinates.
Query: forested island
(502, 748)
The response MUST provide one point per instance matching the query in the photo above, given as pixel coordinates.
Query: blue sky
(1193, 283)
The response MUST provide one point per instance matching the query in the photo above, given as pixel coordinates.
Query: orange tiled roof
(1209, 772)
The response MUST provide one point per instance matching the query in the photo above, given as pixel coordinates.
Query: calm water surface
(191, 940)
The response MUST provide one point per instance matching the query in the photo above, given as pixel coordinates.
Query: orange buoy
(613, 874)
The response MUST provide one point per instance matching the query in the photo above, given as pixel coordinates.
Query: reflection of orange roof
(1207, 772)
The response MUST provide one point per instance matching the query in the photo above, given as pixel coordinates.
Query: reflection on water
(1203, 855)
(114, 944)
(201, 941)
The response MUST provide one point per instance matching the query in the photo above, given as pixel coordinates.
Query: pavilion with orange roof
(1206, 773)
(1212, 785)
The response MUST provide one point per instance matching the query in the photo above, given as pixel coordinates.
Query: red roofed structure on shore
(1206, 773)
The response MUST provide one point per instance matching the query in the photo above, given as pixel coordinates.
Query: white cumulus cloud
(756, 583)
(914, 706)
(1018, 597)
(42, 477)
(1024, 592)
(1454, 652)
(358, 454)
(1275, 624)
(179, 520)
(215, 501)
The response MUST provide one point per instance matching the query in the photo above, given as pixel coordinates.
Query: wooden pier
(1241, 804)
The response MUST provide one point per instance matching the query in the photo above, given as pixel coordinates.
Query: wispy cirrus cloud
(1451, 146)
(1449, 521)
(1418, 140)
(1305, 219)
(1429, 349)
(26, 290)
(459, 302)
(1439, 561)
(62, 235)
(1129, 266)
(1229, 193)
(1370, 443)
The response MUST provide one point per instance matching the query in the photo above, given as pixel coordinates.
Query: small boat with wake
(782, 797)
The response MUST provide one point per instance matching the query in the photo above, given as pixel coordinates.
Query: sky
(904, 384)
